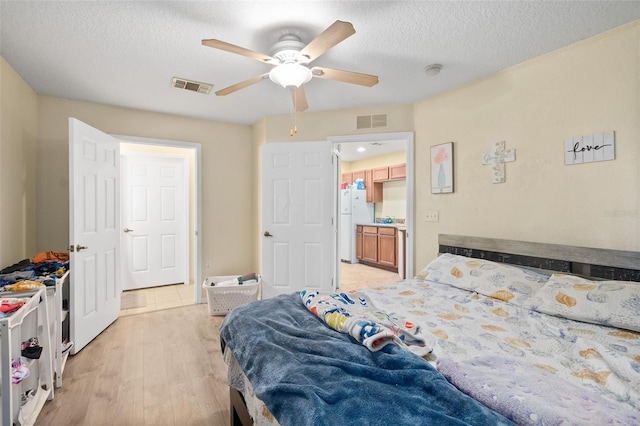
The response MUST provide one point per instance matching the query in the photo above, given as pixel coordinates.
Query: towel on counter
(355, 315)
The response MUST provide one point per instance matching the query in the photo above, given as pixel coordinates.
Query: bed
(490, 332)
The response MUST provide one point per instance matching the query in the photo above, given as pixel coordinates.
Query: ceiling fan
(291, 58)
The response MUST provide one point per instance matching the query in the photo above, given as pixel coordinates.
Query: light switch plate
(431, 216)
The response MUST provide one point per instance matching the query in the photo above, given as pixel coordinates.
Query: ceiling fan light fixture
(290, 76)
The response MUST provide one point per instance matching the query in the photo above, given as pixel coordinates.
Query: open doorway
(380, 149)
(188, 290)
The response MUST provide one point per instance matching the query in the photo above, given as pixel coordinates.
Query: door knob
(127, 230)
(267, 234)
(79, 247)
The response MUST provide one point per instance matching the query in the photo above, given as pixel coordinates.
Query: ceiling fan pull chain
(294, 128)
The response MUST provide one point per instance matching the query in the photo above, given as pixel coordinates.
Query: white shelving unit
(60, 327)
(58, 324)
(31, 320)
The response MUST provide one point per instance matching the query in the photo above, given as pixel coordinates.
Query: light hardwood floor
(159, 298)
(157, 368)
(161, 365)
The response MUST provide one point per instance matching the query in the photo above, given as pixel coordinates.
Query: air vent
(373, 121)
(193, 86)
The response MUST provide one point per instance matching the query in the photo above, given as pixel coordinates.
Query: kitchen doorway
(378, 144)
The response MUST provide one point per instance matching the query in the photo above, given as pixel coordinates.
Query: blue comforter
(308, 374)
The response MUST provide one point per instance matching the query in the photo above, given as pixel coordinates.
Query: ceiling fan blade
(345, 76)
(241, 85)
(337, 32)
(223, 45)
(299, 98)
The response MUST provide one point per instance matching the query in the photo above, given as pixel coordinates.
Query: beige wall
(18, 166)
(592, 86)
(227, 185)
(317, 126)
(258, 136)
(373, 162)
(394, 200)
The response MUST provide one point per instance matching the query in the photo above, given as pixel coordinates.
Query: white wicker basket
(223, 299)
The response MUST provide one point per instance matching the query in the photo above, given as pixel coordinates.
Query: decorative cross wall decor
(497, 157)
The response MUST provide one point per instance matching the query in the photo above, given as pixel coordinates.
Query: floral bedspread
(517, 360)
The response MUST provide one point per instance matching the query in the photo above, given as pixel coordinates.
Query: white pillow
(497, 280)
(612, 303)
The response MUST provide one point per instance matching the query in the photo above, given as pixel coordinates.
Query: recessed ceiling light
(361, 149)
(433, 69)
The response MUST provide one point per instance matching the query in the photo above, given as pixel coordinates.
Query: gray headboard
(584, 261)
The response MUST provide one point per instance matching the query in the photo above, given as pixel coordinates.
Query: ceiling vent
(372, 121)
(193, 86)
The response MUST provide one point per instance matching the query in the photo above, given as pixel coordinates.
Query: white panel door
(154, 220)
(94, 196)
(298, 241)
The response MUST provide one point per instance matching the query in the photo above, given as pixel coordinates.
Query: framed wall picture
(442, 168)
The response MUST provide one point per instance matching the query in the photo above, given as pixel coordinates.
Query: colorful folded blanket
(355, 315)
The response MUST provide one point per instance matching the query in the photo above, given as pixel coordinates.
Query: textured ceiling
(125, 53)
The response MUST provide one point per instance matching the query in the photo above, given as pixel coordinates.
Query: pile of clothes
(30, 274)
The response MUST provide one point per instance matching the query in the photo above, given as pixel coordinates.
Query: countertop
(400, 226)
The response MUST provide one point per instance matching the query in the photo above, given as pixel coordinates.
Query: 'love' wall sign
(589, 148)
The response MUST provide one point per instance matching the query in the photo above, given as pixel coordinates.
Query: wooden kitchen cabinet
(347, 177)
(398, 171)
(370, 244)
(374, 189)
(380, 174)
(387, 247)
(377, 246)
(359, 174)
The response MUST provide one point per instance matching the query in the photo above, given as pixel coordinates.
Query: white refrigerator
(354, 210)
